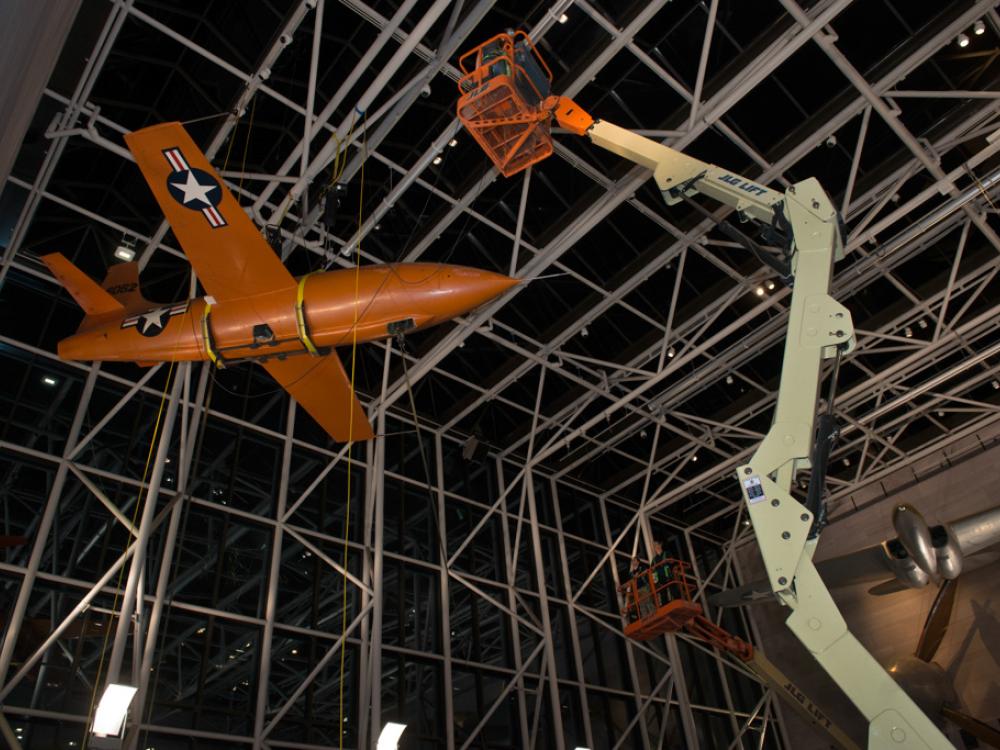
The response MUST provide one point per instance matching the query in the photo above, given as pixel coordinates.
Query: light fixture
(770, 285)
(729, 379)
(996, 385)
(126, 248)
(389, 738)
(109, 718)
(922, 323)
(437, 160)
(563, 18)
(453, 142)
(979, 28)
(295, 652)
(908, 332)
(847, 462)
(670, 353)
(759, 291)
(694, 457)
(963, 40)
(49, 380)
(199, 631)
(584, 332)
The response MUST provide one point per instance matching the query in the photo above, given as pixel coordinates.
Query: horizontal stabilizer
(87, 293)
(323, 389)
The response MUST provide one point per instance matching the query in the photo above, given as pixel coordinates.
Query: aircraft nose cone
(468, 288)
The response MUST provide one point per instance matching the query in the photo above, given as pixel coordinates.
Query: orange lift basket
(655, 607)
(504, 88)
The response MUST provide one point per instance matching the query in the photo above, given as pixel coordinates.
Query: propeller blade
(982, 732)
(937, 620)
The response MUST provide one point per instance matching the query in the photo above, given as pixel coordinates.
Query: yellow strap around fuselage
(206, 335)
(300, 317)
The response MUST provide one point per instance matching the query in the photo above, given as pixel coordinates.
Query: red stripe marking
(213, 217)
(174, 158)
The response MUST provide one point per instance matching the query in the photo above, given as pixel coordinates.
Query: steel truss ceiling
(625, 379)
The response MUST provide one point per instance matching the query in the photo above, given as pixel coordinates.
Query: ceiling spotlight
(295, 652)
(389, 738)
(847, 462)
(109, 718)
(921, 323)
(126, 248)
(979, 28)
(729, 379)
(584, 332)
(996, 385)
(670, 353)
(759, 291)
(694, 457)
(963, 40)
(199, 631)
(453, 142)
(564, 18)
(770, 285)
(908, 332)
(49, 380)
(437, 160)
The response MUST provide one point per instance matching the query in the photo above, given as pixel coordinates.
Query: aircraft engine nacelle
(915, 538)
(904, 567)
(947, 551)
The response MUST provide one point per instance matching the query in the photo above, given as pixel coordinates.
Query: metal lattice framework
(459, 573)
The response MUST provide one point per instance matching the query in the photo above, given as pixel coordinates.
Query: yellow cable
(121, 571)
(350, 434)
(246, 146)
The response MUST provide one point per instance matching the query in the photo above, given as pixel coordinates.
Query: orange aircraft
(254, 309)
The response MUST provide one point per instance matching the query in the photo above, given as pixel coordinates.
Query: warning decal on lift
(755, 493)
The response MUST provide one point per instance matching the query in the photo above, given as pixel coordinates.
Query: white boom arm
(818, 327)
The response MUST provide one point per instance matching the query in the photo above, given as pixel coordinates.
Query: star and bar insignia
(152, 322)
(194, 188)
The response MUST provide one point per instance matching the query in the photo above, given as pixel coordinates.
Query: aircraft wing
(224, 246)
(322, 388)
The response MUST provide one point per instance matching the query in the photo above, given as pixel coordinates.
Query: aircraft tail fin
(122, 283)
(95, 301)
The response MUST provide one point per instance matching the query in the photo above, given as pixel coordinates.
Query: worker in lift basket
(637, 570)
(662, 574)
